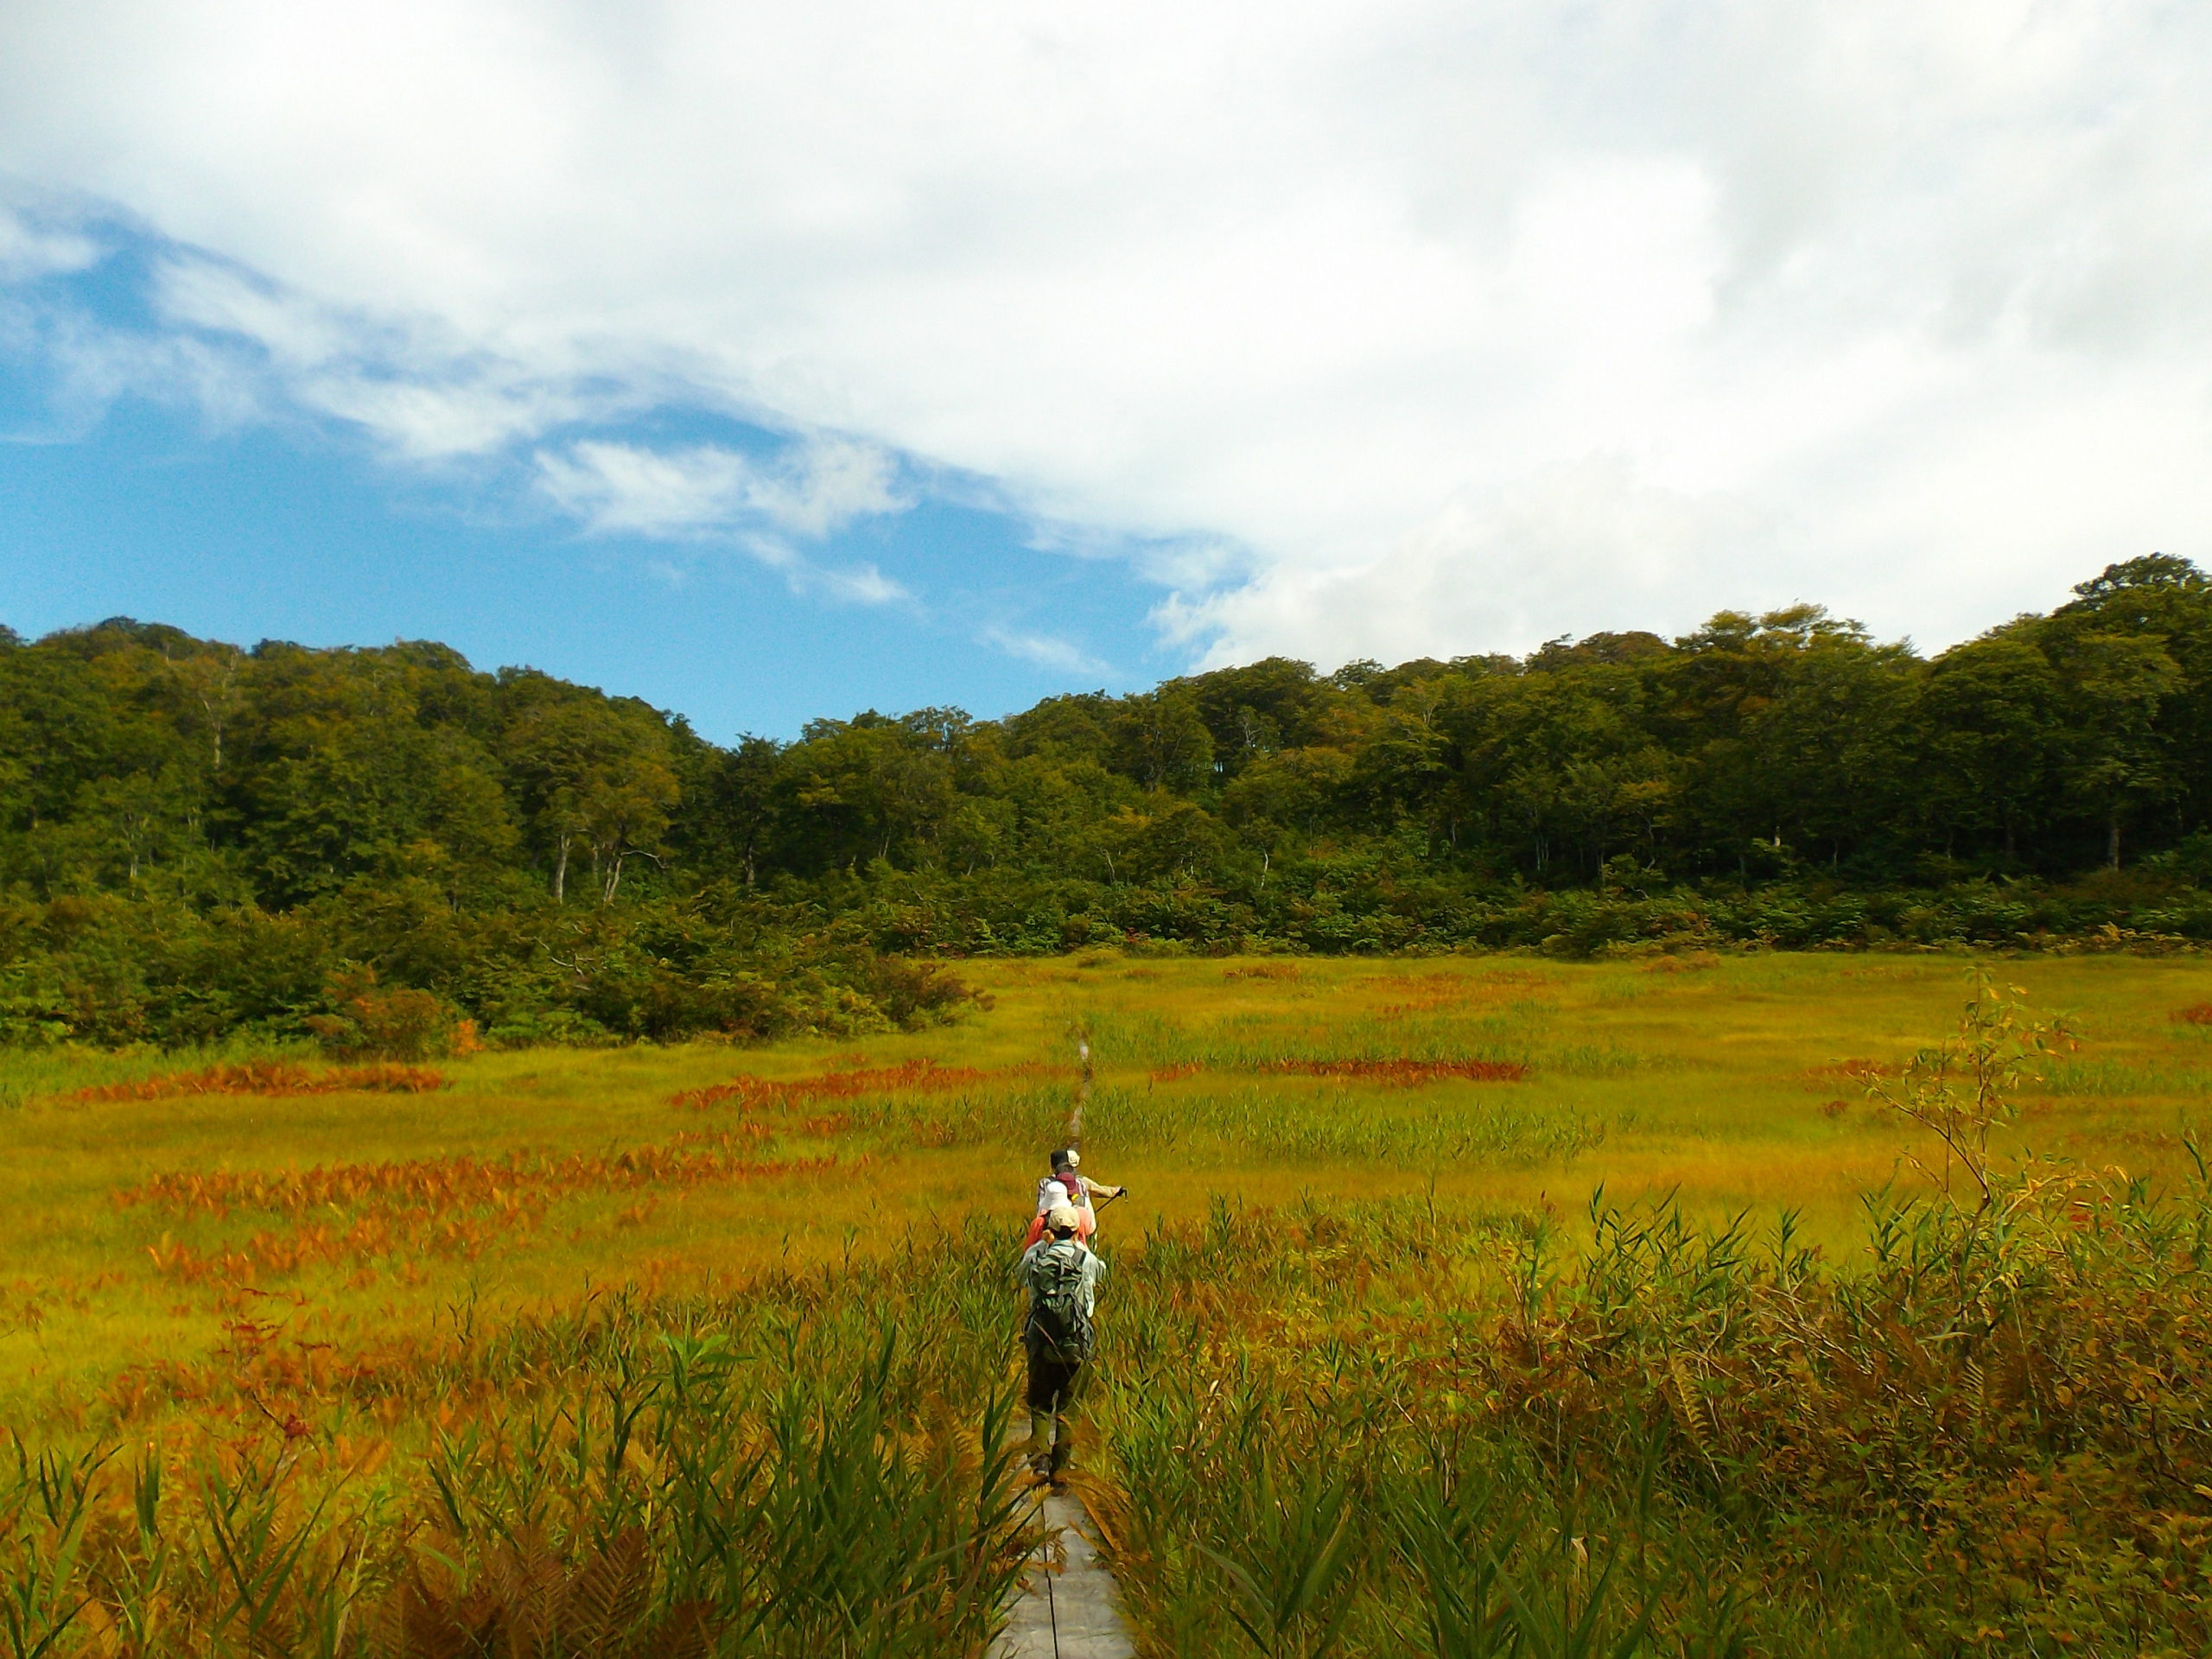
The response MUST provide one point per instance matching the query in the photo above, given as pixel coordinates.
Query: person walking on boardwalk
(1068, 1185)
(1061, 1273)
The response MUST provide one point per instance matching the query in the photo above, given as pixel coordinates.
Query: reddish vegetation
(272, 1078)
(1404, 1074)
(1171, 1073)
(460, 1182)
(2198, 1013)
(445, 1207)
(748, 1092)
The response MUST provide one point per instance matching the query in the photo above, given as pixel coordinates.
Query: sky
(771, 362)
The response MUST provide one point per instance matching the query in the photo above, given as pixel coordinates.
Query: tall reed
(1357, 1432)
(818, 1465)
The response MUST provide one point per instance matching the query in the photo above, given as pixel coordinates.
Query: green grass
(1716, 1088)
(1716, 1084)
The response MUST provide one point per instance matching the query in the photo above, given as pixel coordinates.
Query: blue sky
(770, 361)
(281, 526)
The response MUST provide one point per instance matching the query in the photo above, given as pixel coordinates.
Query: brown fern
(524, 1580)
(603, 1606)
(685, 1631)
(424, 1617)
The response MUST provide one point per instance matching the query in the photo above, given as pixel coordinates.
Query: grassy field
(247, 1274)
(1728, 1084)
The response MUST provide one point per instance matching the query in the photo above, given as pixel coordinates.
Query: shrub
(399, 1023)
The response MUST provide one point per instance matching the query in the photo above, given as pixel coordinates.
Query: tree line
(196, 837)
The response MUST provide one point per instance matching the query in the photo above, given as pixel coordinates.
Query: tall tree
(1991, 710)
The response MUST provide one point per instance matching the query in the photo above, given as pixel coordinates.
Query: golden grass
(144, 1224)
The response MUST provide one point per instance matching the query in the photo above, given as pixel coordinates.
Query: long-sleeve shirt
(1078, 1189)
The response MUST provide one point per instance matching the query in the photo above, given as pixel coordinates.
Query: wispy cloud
(408, 380)
(812, 490)
(710, 494)
(1045, 650)
(618, 488)
(29, 250)
(860, 585)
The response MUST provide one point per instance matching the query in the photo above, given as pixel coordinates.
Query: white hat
(1061, 1219)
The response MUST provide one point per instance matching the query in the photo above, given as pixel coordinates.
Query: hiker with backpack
(1061, 1273)
(1068, 1185)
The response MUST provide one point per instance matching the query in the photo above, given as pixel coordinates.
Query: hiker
(1068, 1185)
(1061, 1273)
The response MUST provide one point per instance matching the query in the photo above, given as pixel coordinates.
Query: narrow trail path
(1070, 1614)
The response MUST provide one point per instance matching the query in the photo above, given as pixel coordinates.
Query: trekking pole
(1082, 1090)
(1052, 1610)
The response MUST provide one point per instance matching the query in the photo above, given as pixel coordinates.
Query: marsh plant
(817, 1467)
(1474, 1429)
(1962, 1090)
(1354, 1431)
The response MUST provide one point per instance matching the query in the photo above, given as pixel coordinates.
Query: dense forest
(391, 850)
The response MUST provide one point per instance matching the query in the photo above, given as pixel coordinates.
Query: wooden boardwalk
(1072, 1613)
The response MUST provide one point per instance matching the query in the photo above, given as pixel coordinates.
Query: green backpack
(1057, 1321)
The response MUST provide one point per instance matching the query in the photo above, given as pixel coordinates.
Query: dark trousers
(1053, 1382)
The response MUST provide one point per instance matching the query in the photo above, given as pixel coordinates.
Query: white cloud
(409, 380)
(1575, 548)
(857, 585)
(1379, 326)
(812, 490)
(823, 486)
(618, 488)
(93, 366)
(28, 250)
(1045, 650)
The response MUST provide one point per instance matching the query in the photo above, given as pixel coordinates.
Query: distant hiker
(1068, 1185)
(1061, 1273)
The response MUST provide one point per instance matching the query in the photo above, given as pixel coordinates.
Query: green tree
(1992, 711)
(875, 786)
(1161, 739)
(735, 816)
(1292, 793)
(2116, 763)
(593, 774)
(2170, 599)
